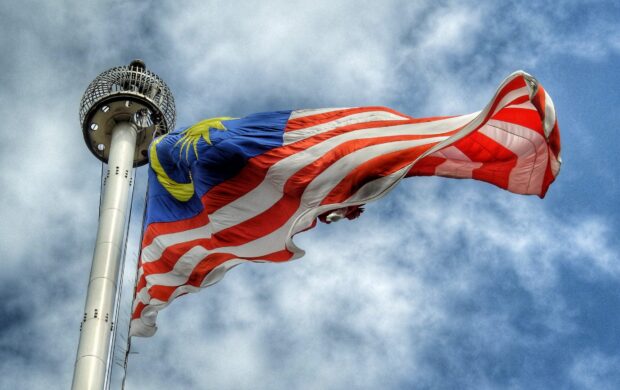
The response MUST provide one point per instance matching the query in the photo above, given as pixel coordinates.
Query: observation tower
(121, 112)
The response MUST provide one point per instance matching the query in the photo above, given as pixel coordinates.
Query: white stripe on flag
(526, 106)
(549, 115)
(531, 150)
(309, 112)
(511, 96)
(360, 117)
(457, 164)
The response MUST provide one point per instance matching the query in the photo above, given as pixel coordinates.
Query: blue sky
(442, 284)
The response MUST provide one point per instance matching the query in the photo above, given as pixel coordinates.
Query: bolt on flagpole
(122, 110)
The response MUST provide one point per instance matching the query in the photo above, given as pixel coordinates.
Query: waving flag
(226, 191)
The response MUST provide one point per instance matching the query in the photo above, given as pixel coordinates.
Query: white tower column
(97, 326)
(122, 111)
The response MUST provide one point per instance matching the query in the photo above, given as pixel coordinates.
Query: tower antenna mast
(122, 110)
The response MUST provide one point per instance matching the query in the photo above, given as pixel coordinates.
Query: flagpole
(122, 110)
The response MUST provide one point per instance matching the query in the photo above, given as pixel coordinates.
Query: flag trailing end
(227, 191)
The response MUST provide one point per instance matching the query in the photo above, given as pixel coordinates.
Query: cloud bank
(442, 284)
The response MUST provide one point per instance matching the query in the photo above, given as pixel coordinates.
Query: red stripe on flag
(373, 169)
(538, 100)
(155, 229)
(426, 166)
(554, 140)
(513, 85)
(205, 266)
(497, 161)
(138, 310)
(522, 117)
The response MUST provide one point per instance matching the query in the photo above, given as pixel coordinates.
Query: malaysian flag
(226, 191)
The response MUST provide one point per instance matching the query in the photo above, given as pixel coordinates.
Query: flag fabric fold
(226, 191)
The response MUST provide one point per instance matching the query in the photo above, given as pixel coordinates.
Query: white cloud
(258, 55)
(437, 286)
(595, 370)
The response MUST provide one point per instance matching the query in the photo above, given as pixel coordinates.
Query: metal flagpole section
(122, 110)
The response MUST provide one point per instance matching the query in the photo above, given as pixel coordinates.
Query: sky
(442, 284)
